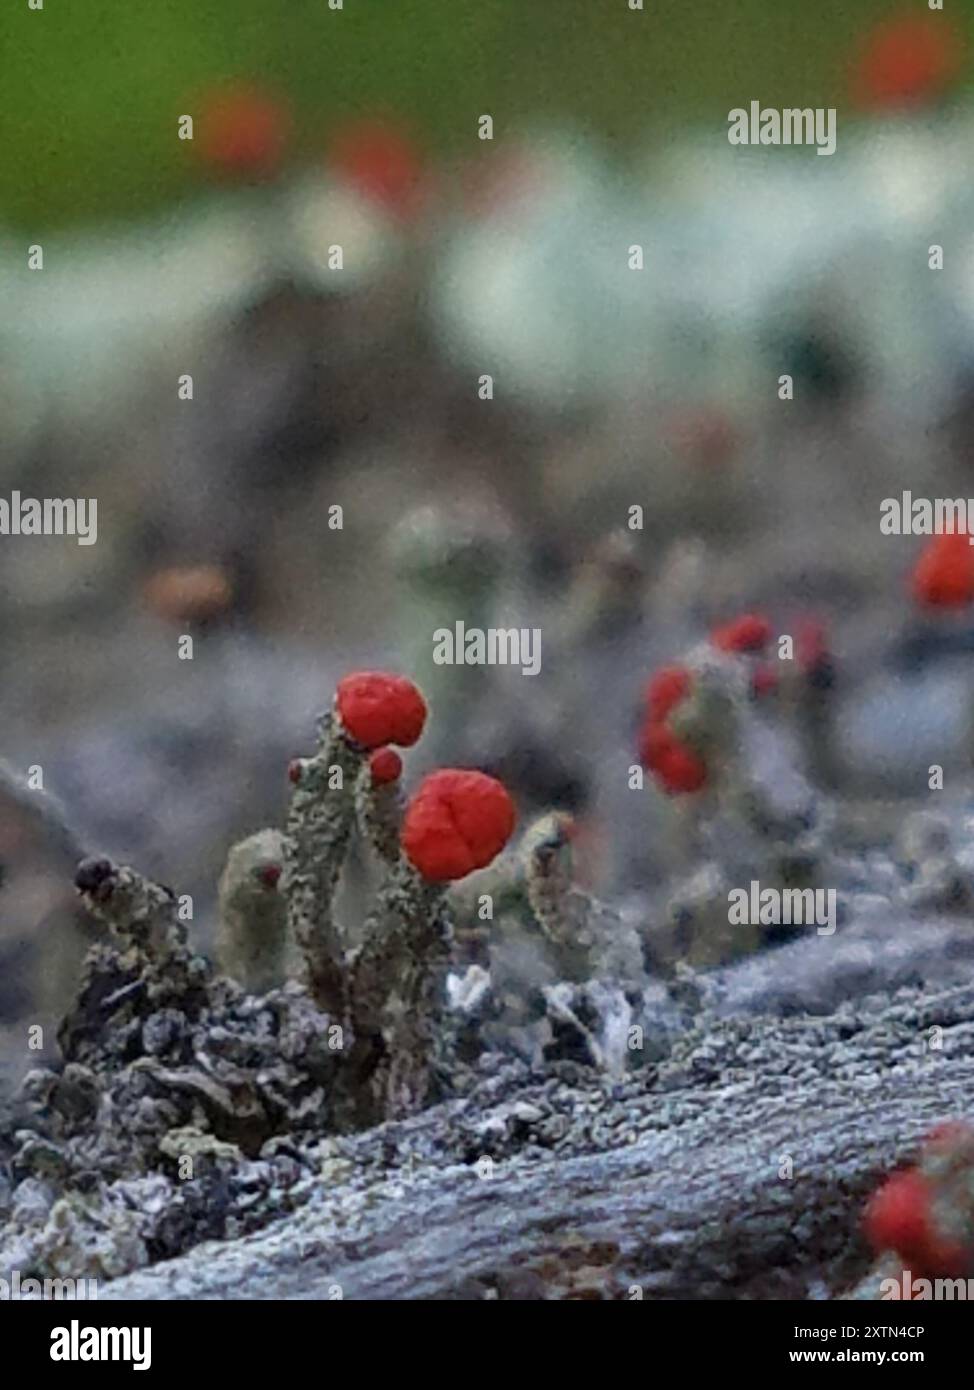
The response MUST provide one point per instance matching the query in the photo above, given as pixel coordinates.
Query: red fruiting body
(385, 765)
(811, 644)
(943, 577)
(381, 163)
(458, 821)
(764, 680)
(294, 769)
(269, 874)
(749, 633)
(676, 767)
(906, 61)
(897, 1216)
(900, 1216)
(242, 132)
(666, 689)
(378, 708)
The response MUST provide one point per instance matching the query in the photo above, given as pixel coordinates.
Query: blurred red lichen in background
(751, 632)
(943, 576)
(812, 650)
(666, 689)
(676, 767)
(243, 131)
(906, 61)
(382, 163)
(924, 1214)
(764, 680)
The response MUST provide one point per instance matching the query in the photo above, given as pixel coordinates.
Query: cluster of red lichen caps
(925, 1214)
(458, 820)
(749, 635)
(751, 632)
(943, 576)
(244, 132)
(675, 766)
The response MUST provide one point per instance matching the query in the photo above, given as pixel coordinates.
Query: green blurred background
(91, 89)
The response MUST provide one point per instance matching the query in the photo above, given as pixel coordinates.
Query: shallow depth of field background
(315, 388)
(89, 90)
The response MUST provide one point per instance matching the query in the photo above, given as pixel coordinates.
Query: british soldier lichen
(379, 994)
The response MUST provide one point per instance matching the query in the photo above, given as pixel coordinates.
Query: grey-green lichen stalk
(588, 940)
(397, 991)
(140, 914)
(319, 824)
(379, 804)
(252, 926)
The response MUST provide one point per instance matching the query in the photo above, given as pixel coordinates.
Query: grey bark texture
(675, 1182)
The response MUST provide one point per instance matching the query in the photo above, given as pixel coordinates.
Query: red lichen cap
(749, 633)
(458, 821)
(811, 644)
(943, 576)
(900, 1216)
(897, 1216)
(907, 60)
(764, 680)
(382, 163)
(378, 708)
(676, 767)
(665, 690)
(243, 131)
(385, 766)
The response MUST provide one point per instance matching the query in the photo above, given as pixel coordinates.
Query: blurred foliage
(92, 89)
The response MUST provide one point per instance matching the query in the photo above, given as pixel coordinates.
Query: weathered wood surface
(672, 1181)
